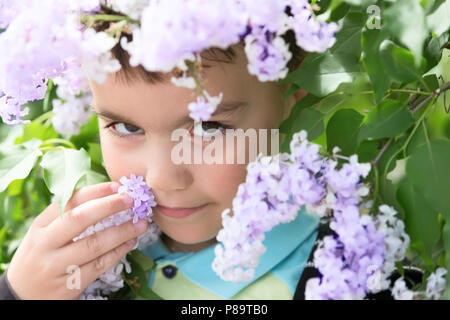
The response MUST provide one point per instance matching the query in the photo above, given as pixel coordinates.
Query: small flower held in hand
(140, 192)
(111, 280)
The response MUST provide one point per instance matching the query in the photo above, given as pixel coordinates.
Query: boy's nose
(163, 174)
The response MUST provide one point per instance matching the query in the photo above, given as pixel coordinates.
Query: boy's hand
(40, 267)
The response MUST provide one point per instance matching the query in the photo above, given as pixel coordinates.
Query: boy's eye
(122, 129)
(208, 129)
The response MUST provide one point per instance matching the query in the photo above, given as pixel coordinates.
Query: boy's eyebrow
(225, 108)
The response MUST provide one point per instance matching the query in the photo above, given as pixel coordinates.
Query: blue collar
(280, 242)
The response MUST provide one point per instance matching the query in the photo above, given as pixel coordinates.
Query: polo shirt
(189, 276)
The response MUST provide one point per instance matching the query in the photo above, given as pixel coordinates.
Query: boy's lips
(177, 212)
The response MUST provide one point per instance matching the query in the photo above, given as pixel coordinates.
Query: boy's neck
(175, 246)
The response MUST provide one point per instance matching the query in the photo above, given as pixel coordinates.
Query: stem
(421, 104)
(61, 141)
(50, 148)
(375, 194)
(106, 17)
(375, 162)
(44, 117)
(47, 95)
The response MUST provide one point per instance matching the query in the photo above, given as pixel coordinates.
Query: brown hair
(128, 73)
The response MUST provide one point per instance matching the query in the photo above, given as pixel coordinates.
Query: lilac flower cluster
(71, 109)
(356, 260)
(112, 280)
(435, 287)
(45, 39)
(144, 199)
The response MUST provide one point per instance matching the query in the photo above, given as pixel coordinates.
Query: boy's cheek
(224, 181)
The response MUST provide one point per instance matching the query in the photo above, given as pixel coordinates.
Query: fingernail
(115, 187)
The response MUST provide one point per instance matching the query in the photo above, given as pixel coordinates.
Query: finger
(90, 248)
(76, 221)
(92, 270)
(79, 196)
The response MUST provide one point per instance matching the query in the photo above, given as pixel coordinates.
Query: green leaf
(431, 82)
(399, 63)
(88, 133)
(321, 74)
(310, 120)
(63, 169)
(17, 161)
(308, 101)
(388, 160)
(138, 278)
(367, 151)
(421, 221)
(387, 192)
(405, 20)
(429, 171)
(439, 21)
(145, 262)
(371, 59)
(90, 178)
(342, 131)
(95, 152)
(386, 120)
(15, 187)
(417, 140)
(37, 130)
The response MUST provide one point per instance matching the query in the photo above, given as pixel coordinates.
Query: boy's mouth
(178, 212)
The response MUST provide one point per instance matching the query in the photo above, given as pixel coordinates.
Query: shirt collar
(282, 240)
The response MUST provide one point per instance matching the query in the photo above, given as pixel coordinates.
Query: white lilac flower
(202, 109)
(436, 284)
(401, 291)
(112, 279)
(71, 109)
(70, 115)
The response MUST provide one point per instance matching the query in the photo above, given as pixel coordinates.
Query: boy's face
(155, 111)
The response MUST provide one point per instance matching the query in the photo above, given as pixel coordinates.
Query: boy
(136, 119)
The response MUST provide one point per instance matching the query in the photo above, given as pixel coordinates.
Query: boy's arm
(6, 292)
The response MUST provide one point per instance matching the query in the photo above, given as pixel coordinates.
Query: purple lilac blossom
(112, 280)
(310, 33)
(142, 195)
(356, 260)
(268, 55)
(42, 42)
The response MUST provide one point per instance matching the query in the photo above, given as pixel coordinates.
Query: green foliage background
(379, 92)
